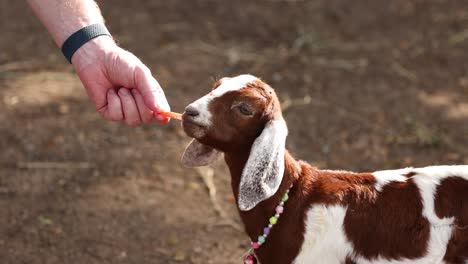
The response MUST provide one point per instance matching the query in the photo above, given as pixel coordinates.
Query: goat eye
(245, 110)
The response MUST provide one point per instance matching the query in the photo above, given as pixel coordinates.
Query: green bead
(273, 220)
(261, 239)
(285, 198)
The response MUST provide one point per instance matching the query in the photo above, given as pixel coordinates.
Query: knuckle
(142, 70)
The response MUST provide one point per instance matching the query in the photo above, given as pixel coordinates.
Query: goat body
(412, 215)
(397, 216)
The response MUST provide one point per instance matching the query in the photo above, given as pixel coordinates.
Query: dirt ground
(366, 85)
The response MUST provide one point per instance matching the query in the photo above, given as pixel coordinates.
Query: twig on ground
(403, 72)
(288, 102)
(341, 64)
(55, 165)
(173, 27)
(458, 37)
(18, 65)
(207, 176)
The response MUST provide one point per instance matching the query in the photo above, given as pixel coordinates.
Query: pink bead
(255, 245)
(279, 209)
(250, 259)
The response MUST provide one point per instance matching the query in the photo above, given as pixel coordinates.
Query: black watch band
(80, 37)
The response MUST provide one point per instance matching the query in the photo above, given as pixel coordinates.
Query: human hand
(119, 84)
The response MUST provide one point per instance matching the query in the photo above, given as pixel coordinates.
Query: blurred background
(365, 85)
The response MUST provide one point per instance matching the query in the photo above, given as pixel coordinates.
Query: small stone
(266, 230)
(197, 249)
(122, 255)
(64, 109)
(180, 256)
(285, 198)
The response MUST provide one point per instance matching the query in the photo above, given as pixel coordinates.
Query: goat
(412, 215)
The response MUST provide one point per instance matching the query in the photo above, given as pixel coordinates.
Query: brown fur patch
(349, 260)
(451, 200)
(391, 226)
(410, 174)
(343, 187)
(233, 130)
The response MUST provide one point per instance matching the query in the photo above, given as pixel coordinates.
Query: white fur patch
(227, 85)
(264, 169)
(387, 176)
(324, 239)
(427, 179)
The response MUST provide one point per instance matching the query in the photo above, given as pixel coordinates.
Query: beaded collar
(249, 257)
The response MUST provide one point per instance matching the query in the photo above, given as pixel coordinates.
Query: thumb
(151, 91)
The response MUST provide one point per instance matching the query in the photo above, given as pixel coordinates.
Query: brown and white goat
(397, 216)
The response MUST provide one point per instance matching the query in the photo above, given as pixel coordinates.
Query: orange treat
(172, 115)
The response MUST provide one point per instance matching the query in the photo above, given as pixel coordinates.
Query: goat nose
(191, 111)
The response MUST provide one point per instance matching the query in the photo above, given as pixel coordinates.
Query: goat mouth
(193, 129)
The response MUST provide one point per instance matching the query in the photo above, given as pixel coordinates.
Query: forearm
(64, 17)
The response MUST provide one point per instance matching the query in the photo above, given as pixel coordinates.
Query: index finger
(151, 91)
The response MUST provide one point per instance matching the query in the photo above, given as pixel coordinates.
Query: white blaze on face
(227, 85)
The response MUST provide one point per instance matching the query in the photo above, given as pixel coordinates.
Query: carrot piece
(172, 115)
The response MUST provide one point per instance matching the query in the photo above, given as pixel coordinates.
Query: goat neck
(288, 233)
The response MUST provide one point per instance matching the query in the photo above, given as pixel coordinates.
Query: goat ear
(263, 172)
(196, 154)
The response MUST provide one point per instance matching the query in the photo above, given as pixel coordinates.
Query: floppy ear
(196, 154)
(263, 172)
